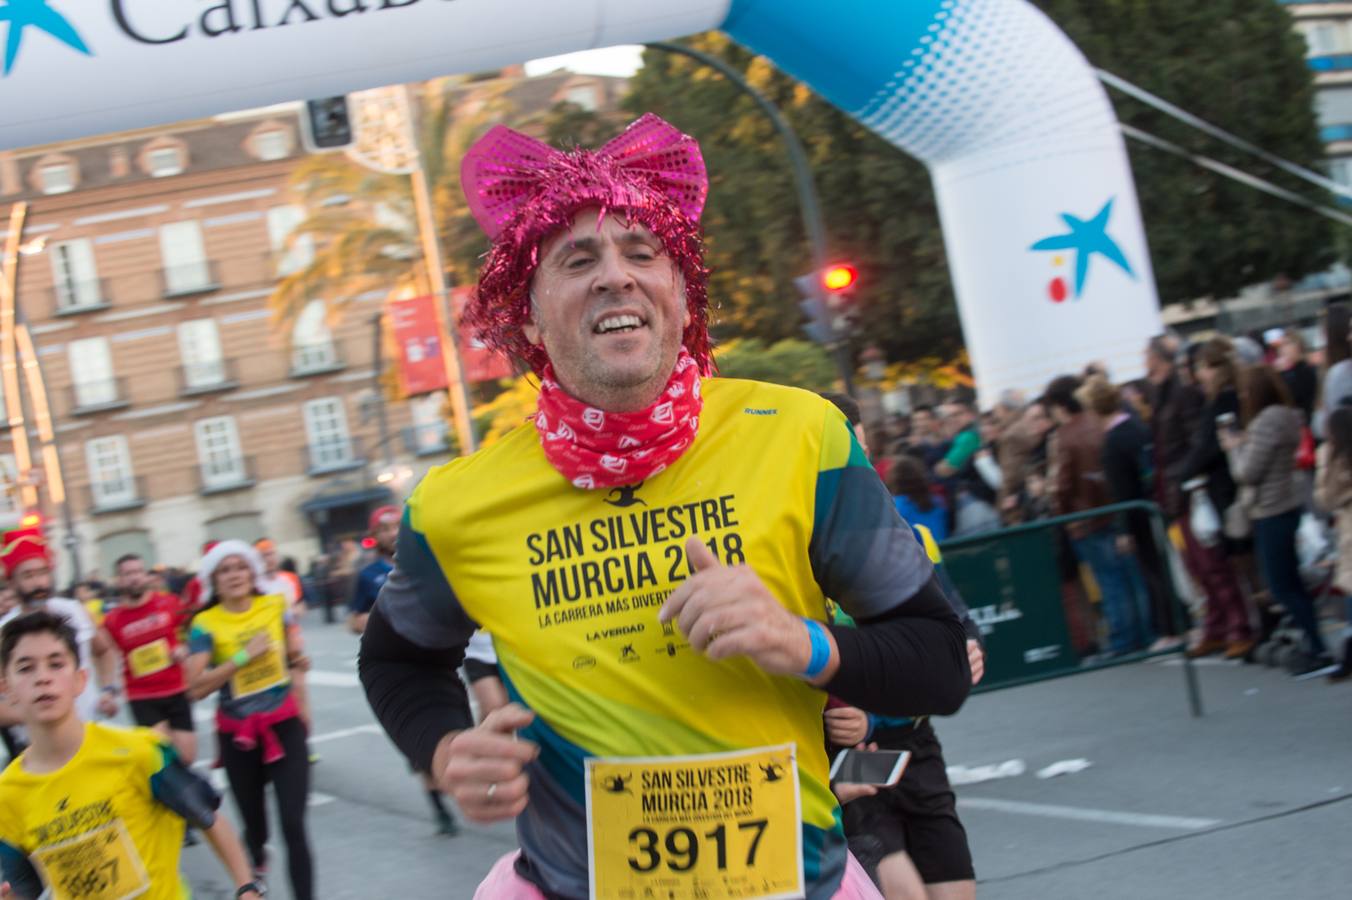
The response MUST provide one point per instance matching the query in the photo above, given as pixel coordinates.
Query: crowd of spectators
(1245, 444)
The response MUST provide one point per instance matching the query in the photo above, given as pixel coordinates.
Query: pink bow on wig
(522, 191)
(506, 169)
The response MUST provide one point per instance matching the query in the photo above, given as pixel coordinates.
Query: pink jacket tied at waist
(248, 732)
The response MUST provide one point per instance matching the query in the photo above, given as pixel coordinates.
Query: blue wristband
(821, 649)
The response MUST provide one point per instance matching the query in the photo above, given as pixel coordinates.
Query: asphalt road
(1253, 800)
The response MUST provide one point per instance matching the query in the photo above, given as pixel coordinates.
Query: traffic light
(840, 278)
(828, 302)
(328, 124)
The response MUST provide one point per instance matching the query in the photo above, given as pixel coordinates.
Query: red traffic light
(839, 278)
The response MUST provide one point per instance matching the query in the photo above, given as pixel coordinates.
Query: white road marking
(371, 728)
(325, 678)
(320, 799)
(1081, 814)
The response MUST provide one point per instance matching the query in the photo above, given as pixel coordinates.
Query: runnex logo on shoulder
(754, 411)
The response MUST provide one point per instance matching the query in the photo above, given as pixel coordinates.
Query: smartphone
(1225, 421)
(882, 768)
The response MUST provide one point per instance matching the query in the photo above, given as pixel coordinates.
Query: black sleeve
(477, 670)
(1206, 446)
(413, 690)
(909, 661)
(414, 641)
(1121, 454)
(186, 793)
(19, 871)
(959, 606)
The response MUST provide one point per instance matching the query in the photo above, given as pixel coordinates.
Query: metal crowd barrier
(1017, 582)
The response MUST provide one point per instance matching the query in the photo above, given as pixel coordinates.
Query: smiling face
(609, 306)
(233, 578)
(43, 678)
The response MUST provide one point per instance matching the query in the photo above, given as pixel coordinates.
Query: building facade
(1327, 29)
(183, 412)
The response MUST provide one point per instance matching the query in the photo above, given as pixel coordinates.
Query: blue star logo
(21, 14)
(1087, 237)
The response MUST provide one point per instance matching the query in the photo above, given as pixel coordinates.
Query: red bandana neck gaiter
(593, 448)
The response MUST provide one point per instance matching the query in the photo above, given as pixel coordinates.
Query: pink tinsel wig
(522, 192)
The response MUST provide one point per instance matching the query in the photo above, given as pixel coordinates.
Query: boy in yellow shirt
(91, 811)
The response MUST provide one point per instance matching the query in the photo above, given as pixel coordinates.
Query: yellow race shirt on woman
(569, 583)
(105, 826)
(263, 683)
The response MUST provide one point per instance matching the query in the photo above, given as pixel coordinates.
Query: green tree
(1208, 235)
(877, 202)
(1239, 65)
(791, 361)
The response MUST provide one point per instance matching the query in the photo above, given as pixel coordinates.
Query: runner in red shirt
(147, 628)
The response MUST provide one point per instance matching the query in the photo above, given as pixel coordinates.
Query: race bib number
(150, 658)
(262, 672)
(723, 826)
(98, 865)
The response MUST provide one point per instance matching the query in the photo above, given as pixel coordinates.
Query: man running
(147, 627)
(652, 559)
(28, 567)
(384, 528)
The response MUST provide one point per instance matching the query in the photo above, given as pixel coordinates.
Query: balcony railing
(71, 297)
(190, 278)
(226, 473)
(206, 376)
(98, 395)
(117, 494)
(315, 358)
(426, 440)
(337, 455)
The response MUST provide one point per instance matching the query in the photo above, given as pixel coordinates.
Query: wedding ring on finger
(492, 789)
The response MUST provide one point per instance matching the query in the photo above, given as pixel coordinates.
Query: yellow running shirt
(101, 827)
(569, 583)
(263, 683)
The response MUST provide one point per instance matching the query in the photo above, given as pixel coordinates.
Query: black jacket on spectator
(1303, 382)
(1177, 412)
(1126, 460)
(1205, 456)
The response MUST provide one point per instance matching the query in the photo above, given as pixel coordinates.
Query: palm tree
(363, 224)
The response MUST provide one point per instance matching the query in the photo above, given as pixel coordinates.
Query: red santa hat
(23, 544)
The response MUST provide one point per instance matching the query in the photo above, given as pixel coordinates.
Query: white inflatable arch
(1044, 236)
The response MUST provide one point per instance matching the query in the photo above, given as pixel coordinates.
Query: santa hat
(23, 544)
(218, 555)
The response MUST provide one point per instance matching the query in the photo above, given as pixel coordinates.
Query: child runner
(90, 810)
